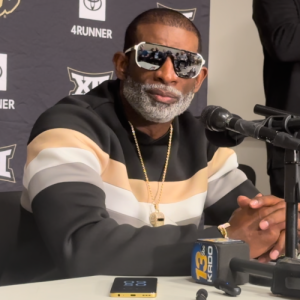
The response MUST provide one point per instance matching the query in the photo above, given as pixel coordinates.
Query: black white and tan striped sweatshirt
(85, 205)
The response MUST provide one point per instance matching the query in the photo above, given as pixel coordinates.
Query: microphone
(201, 294)
(229, 288)
(271, 111)
(211, 260)
(280, 120)
(224, 139)
(225, 263)
(216, 118)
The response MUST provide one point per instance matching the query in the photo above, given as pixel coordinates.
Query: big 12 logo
(84, 82)
(6, 154)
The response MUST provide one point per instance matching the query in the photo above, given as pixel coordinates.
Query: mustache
(168, 89)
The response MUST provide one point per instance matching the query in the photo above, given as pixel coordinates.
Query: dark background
(40, 48)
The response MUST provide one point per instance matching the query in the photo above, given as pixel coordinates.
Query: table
(98, 287)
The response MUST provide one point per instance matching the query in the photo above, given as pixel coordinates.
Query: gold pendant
(157, 219)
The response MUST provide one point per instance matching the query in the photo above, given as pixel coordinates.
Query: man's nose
(166, 73)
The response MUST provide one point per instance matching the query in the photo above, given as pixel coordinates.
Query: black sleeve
(279, 28)
(83, 240)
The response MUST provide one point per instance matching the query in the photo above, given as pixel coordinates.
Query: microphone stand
(285, 275)
(286, 272)
(291, 196)
(289, 123)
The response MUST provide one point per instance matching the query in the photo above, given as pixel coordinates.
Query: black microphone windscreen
(206, 114)
(203, 292)
(219, 138)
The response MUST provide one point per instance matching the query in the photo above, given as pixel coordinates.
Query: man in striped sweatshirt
(117, 181)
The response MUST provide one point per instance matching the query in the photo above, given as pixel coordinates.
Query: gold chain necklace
(156, 218)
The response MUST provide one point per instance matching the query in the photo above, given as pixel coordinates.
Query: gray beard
(151, 110)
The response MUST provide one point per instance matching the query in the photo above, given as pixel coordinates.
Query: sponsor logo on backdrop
(84, 82)
(7, 104)
(92, 4)
(3, 71)
(6, 155)
(92, 31)
(92, 9)
(189, 13)
(8, 6)
(4, 103)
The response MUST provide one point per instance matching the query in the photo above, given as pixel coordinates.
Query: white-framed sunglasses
(151, 57)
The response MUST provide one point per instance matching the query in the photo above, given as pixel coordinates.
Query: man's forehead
(170, 36)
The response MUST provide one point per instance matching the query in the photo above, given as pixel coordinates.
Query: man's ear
(200, 78)
(120, 61)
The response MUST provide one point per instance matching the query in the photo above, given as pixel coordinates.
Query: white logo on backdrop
(92, 9)
(3, 72)
(93, 4)
(189, 13)
(7, 104)
(92, 31)
(84, 82)
(6, 154)
(8, 6)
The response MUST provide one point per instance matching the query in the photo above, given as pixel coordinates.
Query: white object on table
(98, 288)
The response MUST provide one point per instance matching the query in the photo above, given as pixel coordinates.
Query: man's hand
(272, 213)
(276, 251)
(245, 226)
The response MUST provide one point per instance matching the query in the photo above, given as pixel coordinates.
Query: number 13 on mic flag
(211, 259)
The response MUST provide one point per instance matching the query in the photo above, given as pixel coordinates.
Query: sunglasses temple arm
(128, 50)
(134, 47)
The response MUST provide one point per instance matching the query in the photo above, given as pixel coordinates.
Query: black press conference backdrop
(49, 49)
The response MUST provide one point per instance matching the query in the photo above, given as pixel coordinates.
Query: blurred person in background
(278, 25)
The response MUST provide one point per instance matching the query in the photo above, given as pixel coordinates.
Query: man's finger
(279, 247)
(259, 202)
(265, 258)
(268, 210)
(267, 223)
(272, 215)
(281, 226)
(244, 201)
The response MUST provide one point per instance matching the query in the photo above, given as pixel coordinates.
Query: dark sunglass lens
(187, 65)
(150, 57)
